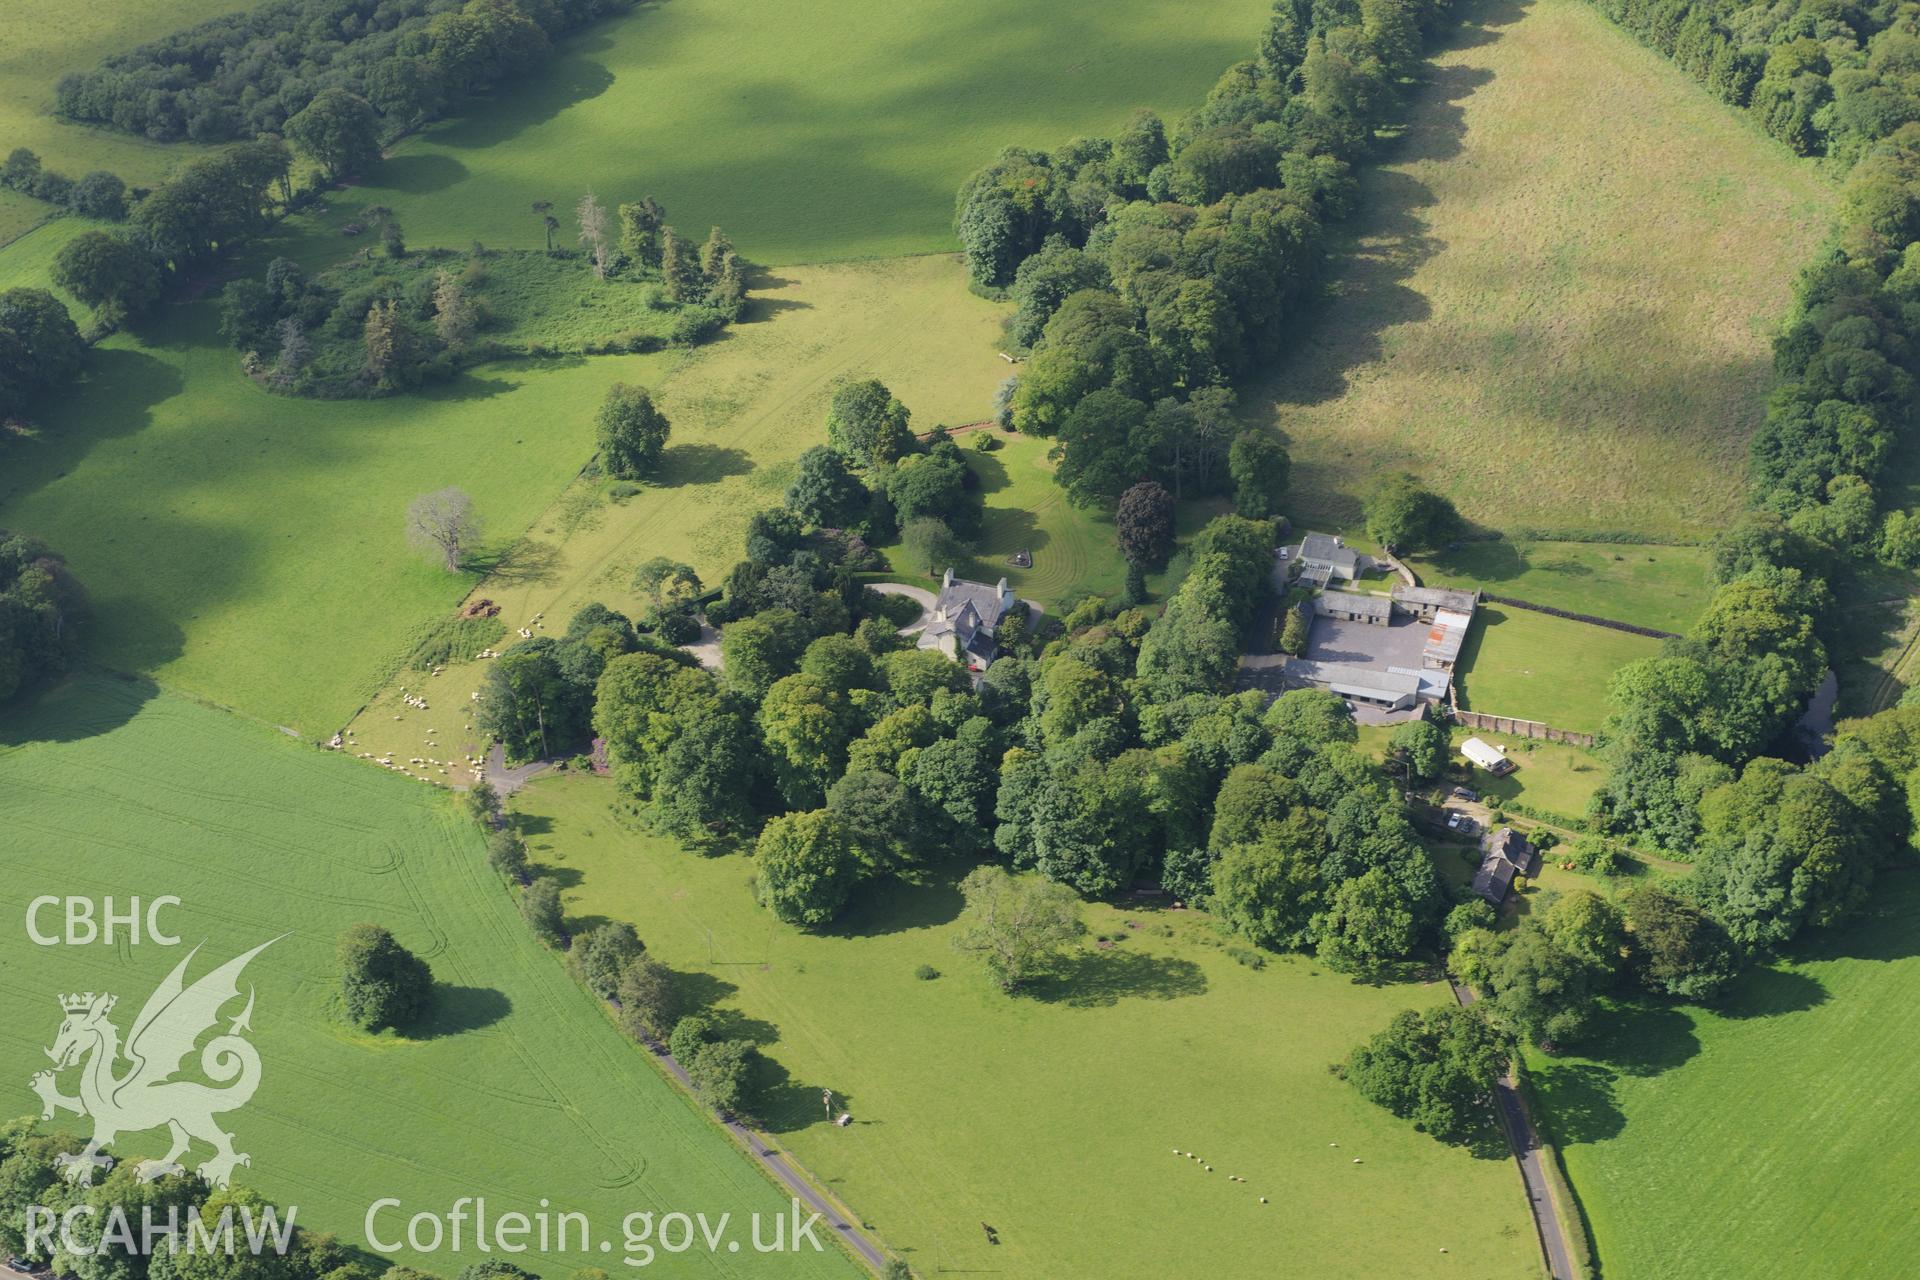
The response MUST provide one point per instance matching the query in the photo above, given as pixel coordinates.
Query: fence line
(1630, 628)
(1531, 729)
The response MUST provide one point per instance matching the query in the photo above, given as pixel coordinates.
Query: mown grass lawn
(1663, 587)
(1552, 777)
(1055, 1118)
(1763, 1138)
(517, 1087)
(1564, 279)
(1534, 666)
(809, 130)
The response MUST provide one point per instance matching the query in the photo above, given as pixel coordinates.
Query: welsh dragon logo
(144, 1095)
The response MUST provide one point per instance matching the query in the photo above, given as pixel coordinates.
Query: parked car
(1454, 819)
(1467, 794)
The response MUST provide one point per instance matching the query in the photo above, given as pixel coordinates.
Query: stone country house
(965, 617)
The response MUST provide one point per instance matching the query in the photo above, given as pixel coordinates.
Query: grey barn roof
(1357, 682)
(1356, 604)
(1435, 598)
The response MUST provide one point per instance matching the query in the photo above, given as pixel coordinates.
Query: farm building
(1445, 636)
(1326, 558)
(1425, 602)
(1354, 607)
(1508, 854)
(965, 617)
(1393, 690)
(1487, 756)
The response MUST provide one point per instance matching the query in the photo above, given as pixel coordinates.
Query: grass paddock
(1558, 302)
(1534, 666)
(1054, 1117)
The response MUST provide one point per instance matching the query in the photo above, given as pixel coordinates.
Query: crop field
(1763, 1138)
(810, 130)
(1538, 667)
(1558, 304)
(45, 39)
(742, 410)
(1055, 1118)
(517, 1088)
(1663, 587)
(250, 548)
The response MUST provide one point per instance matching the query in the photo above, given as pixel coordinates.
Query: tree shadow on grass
(1098, 979)
(563, 81)
(989, 472)
(456, 1009)
(764, 299)
(524, 560)
(893, 906)
(697, 990)
(468, 385)
(1003, 533)
(83, 705)
(1640, 1038)
(419, 173)
(1495, 560)
(1772, 992)
(783, 1104)
(684, 464)
(567, 878)
(1578, 1103)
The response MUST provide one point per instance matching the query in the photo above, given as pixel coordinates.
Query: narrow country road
(764, 1153)
(1525, 1141)
(506, 780)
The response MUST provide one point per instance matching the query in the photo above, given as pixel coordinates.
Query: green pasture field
(28, 261)
(45, 39)
(1534, 666)
(1763, 1138)
(809, 130)
(518, 1087)
(743, 408)
(1663, 587)
(1055, 1118)
(1561, 289)
(18, 215)
(250, 548)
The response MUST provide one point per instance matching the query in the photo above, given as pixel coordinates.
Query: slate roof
(1356, 682)
(1422, 598)
(1509, 854)
(969, 610)
(1355, 604)
(1324, 548)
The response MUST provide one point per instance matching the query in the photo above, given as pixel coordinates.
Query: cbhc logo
(85, 926)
